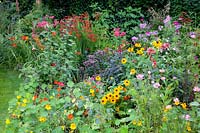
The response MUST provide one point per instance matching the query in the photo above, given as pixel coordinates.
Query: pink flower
(42, 24)
(196, 89)
(148, 33)
(61, 84)
(122, 34)
(140, 76)
(167, 19)
(51, 17)
(117, 32)
(134, 38)
(165, 46)
(168, 107)
(162, 78)
(150, 51)
(187, 117)
(156, 85)
(55, 22)
(176, 100)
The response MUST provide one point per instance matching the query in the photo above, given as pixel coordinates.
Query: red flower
(70, 116)
(53, 64)
(53, 33)
(59, 89)
(150, 51)
(24, 38)
(14, 45)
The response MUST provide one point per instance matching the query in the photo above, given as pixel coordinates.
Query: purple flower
(192, 34)
(148, 33)
(196, 57)
(142, 26)
(134, 38)
(154, 33)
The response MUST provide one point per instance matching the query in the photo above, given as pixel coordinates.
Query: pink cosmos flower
(162, 78)
(176, 100)
(117, 32)
(156, 85)
(187, 117)
(196, 89)
(140, 76)
(42, 24)
(150, 51)
(165, 46)
(167, 19)
(122, 34)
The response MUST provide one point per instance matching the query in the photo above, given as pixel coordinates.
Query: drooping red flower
(70, 116)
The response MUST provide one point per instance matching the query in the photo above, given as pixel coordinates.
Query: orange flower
(70, 116)
(59, 89)
(24, 38)
(35, 97)
(53, 33)
(14, 45)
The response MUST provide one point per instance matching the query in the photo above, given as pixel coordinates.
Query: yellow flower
(126, 82)
(48, 107)
(18, 103)
(113, 101)
(62, 127)
(25, 101)
(133, 71)
(176, 103)
(140, 52)
(103, 101)
(142, 49)
(23, 105)
(92, 94)
(116, 96)
(82, 97)
(18, 97)
(139, 123)
(184, 105)
(188, 126)
(116, 90)
(91, 90)
(109, 95)
(134, 122)
(42, 119)
(8, 121)
(164, 119)
(130, 49)
(120, 87)
(124, 60)
(138, 45)
(98, 78)
(73, 126)
(157, 44)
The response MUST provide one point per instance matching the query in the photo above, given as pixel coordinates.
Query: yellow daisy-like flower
(92, 94)
(116, 96)
(109, 95)
(126, 82)
(130, 49)
(142, 49)
(23, 104)
(42, 119)
(188, 126)
(18, 97)
(120, 87)
(48, 107)
(72, 126)
(140, 52)
(7, 121)
(25, 101)
(98, 78)
(103, 101)
(176, 103)
(184, 105)
(138, 45)
(116, 90)
(91, 90)
(139, 123)
(157, 44)
(124, 60)
(134, 122)
(113, 101)
(133, 71)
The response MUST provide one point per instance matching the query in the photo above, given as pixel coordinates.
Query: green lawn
(9, 83)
